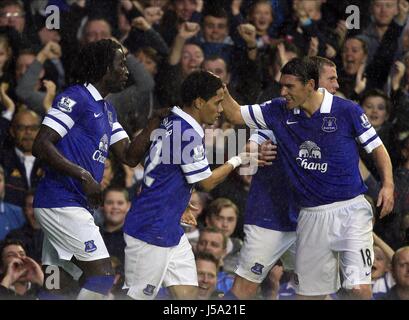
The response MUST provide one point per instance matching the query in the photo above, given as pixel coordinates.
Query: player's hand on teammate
(386, 200)
(92, 190)
(268, 153)
(188, 217)
(250, 158)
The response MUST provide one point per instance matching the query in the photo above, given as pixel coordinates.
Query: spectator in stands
(213, 241)
(21, 276)
(115, 207)
(381, 37)
(207, 266)
(377, 107)
(22, 169)
(354, 56)
(400, 271)
(30, 234)
(29, 83)
(222, 213)
(11, 216)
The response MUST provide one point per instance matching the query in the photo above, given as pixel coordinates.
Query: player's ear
(311, 84)
(199, 103)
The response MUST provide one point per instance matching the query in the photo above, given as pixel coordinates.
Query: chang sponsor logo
(309, 157)
(102, 149)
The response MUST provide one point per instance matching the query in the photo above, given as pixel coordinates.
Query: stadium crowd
(245, 43)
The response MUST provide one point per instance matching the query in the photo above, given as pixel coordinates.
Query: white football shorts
(261, 250)
(148, 266)
(330, 238)
(68, 232)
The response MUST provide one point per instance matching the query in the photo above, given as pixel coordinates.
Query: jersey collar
(189, 119)
(94, 92)
(325, 105)
(327, 102)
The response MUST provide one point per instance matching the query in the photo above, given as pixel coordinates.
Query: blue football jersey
(87, 125)
(320, 152)
(270, 202)
(176, 161)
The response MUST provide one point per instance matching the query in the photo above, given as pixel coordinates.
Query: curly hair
(93, 61)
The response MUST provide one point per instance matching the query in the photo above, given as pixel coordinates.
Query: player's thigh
(51, 259)
(316, 265)
(181, 269)
(145, 268)
(355, 244)
(183, 292)
(72, 232)
(261, 250)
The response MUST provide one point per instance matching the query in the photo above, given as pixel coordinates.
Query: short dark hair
(361, 40)
(215, 57)
(303, 68)
(93, 61)
(321, 62)
(394, 257)
(218, 204)
(199, 84)
(376, 93)
(215, 230)
(215, 11)
(116, 189)
(207, 256)
(10, 242)
(7, 3)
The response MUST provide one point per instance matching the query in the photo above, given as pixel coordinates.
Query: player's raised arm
(384, 166)
(131, 153)
(231, 108)
(220, 173)
(44, 148)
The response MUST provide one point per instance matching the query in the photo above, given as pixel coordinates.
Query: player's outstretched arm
(231, 108)
(384, 166)
(131, 153)
(221, 173)
(45, 150)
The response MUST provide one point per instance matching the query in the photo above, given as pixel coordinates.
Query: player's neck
(313, 103)
(193, 112)
(103, 91)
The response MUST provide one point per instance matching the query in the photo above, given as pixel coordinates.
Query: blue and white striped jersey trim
(58, 121)
(118, 133)
(261, 136)
(369, 140)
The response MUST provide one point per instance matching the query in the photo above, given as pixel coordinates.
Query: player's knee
(102, 267)
(363, 292)
(243, 288)
(184, 292)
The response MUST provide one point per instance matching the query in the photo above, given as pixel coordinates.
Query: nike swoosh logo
(291, 122)
(367, 273)
(96, 115)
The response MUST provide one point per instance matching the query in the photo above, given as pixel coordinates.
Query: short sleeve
(65, 111)
(260, 136)
(362, 129)
(194, 163)
(260, 116)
